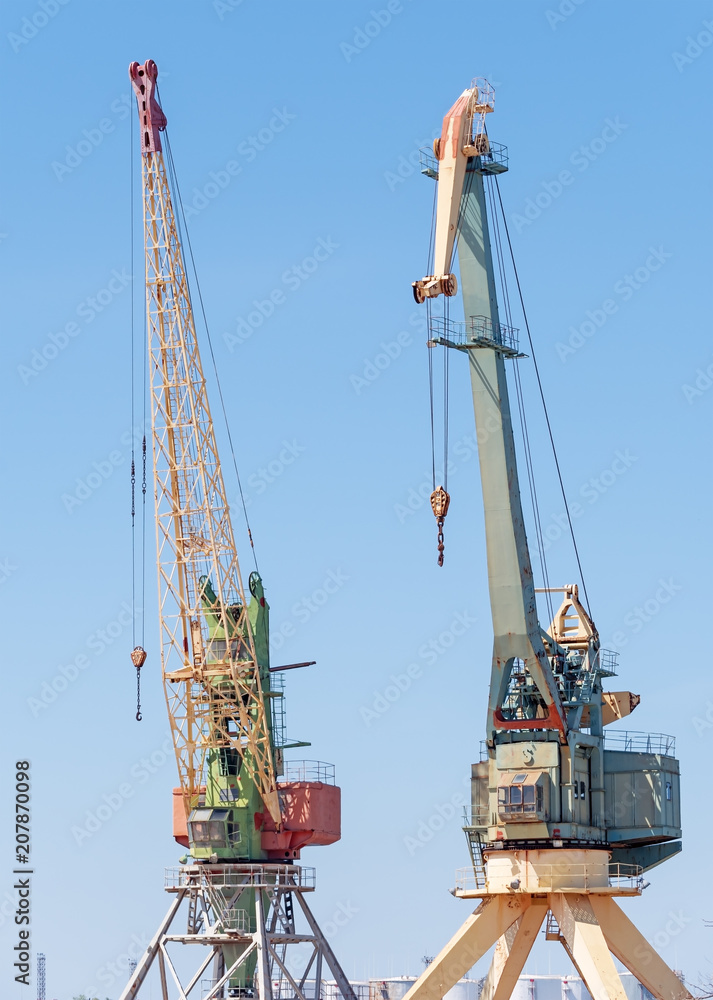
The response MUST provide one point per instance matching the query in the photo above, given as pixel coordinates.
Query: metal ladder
(289, 911)
(475, 846)
(193, 917)
(552, 930)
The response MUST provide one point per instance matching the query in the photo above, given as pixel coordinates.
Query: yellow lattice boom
(211, 675)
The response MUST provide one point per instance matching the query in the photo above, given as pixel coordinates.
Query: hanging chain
(138, 695)
(133, 492)
(143, 474)
(440, 498)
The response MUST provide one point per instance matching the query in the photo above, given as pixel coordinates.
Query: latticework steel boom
(211, 674)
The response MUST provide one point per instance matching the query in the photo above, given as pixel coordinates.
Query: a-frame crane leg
(571, 957)
(144, 965)
(586, 942)
(479, 933)
(633, 950)
(324, 950)
(264, 982)
(511, 952)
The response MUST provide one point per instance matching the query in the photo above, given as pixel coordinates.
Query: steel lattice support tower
(217, 903)
(41, 976)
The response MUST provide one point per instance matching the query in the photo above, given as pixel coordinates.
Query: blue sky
(327, 398)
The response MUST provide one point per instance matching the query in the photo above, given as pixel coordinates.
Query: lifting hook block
(440, 501)
(138, 657)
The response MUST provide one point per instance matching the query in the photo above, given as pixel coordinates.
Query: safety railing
(494, 161)
(467, 880)
(476, 815)
(238, 920)
(633, 742)
(558, 877)
(309, 770)
(229, 875)
(282, 988)
(476, 331)
(608, 661)
(429, 163)
(482, 328)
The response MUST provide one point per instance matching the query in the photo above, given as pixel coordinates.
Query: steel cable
(544, 404)
(184, 229)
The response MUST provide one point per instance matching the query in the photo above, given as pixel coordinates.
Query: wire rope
(184, 230)
(132, 374)
(132, 299)
(522, 411)
(429, 267)
(544, 404)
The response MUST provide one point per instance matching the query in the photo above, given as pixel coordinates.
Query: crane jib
(213, 679)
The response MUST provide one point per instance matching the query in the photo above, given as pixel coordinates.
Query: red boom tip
(151, 117)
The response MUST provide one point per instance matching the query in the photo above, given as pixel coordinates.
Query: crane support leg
(267, 938)
(633, 950)
(479, 933)
(335, 968)
(264, 984)
(141, 971)
(511, 951)
(587, 944)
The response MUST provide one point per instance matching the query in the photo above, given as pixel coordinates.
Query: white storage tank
(527, 988)
(570, 988)
(573, 989)
(634, 989)
(330, 990)
(396, 988)
(393, 988)
(465, 989)
(549, 988)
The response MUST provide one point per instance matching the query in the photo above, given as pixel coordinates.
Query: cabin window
(206, 827)
(519, 800)
(210, 832)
